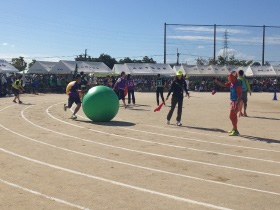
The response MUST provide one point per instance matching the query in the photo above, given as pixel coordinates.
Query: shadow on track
(266, 140)
(110, 123)
(207, 129)
(264, 118)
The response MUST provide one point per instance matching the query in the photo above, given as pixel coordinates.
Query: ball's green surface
(100, 104)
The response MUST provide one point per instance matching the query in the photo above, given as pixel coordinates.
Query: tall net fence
(242, 42)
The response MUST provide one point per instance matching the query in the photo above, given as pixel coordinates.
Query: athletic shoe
(234, 133)
(14, 101)
(230, 130)
(245, 114)
(20, 102)
(64, 107)
(73, 117)
(179, 123)
(167, 122)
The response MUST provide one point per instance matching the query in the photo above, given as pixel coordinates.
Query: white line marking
(123, 163)
(43, 195)
(115, 182)
(158, 155)
(178, 137)
(197, 140)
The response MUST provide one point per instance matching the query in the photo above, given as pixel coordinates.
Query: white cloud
(237, 54)
(200, 47)
(211, 30)
(12, 45)
(5, 44)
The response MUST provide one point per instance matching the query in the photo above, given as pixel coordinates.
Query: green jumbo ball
(100, 104)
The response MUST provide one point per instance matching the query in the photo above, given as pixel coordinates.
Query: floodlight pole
(263, 46)
(164, 43)
(214, 56)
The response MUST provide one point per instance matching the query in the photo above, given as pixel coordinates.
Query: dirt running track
(49, 161)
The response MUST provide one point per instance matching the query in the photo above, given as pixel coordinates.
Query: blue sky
(59, 29)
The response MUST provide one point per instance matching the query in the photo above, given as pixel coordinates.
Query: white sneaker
(179, 123)
(73, 117)
(167, 122)
(64, 107)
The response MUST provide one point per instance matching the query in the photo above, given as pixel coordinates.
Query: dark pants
(131, 94)
(160, 91)
(174, 101)
(245, 99)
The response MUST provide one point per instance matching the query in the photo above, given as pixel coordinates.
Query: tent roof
(68, 67)
(139, 68)
(6, 67)
(41, 67)
(143, 69)
(260, 71)
(119, 68)
(277, 70)
(163, 69)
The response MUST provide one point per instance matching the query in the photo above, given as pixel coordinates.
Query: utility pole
(85, 54)
(263, 45)
(164, 43)
(214, 56)
(178, 55)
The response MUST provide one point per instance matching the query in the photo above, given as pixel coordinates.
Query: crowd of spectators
(57, 83)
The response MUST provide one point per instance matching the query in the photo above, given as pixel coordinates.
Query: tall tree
(256, 64)
(19, 63)
(146, 59)
(125, 60)
(107, 59)
(201, 61)
(32, 63)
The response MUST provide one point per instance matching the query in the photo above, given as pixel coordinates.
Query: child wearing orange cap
(235, 99)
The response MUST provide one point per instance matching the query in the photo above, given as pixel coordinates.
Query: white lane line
(43, 195)
(173, 197)
(158, 155)
(180, 147)
(178, 137)
(123, 163)
(6, 108)
(196, 140)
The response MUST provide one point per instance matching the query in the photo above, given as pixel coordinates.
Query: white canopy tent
(206, 70)
(220, 71)
(119, 68)
(191, 70)
(177, 68)
(41, 67)
(163, 69)
(139, 69)
(260, 71)
(68, 67)
(277, 70)
(6, 67)
(94, 67)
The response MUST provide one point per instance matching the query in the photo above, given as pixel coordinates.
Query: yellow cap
(178, 73)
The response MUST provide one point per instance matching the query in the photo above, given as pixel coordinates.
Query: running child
(235, 99)
(74, 96)
(245, 89)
